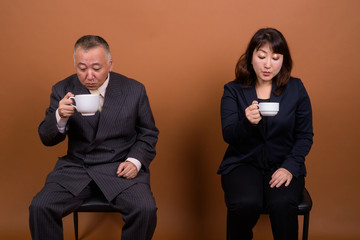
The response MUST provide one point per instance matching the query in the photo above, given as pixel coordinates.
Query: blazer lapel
(114, 101)
(248, 95)
(79, 88)
(274, 98)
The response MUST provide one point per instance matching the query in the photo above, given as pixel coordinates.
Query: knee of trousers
(39, 205)
(147, 209)
(245, 206)
(282, 206)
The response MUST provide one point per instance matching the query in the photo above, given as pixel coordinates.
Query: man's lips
(91, 86)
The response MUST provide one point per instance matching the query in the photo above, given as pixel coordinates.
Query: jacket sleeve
(303, 133)
(236, 128)
(147, 134)
(48, 130)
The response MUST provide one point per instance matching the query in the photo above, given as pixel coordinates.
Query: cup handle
(73, 98)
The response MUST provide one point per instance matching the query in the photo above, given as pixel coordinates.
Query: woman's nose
(268, 63)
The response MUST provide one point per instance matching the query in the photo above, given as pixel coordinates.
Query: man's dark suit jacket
(98, 144)
(289, 134)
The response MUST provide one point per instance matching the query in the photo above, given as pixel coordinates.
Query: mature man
(110, 151)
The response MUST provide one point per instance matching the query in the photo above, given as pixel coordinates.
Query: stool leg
(306, 226)
(76, 225)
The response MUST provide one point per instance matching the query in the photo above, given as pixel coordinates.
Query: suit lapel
(79, 88)
(248, 95)
(274, 98)
(114, 101)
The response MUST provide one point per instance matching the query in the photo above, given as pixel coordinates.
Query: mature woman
(263, 166)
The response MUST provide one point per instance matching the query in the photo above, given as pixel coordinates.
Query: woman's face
(266, 63)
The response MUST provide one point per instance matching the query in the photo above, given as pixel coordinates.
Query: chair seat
(305, 206)
(96, 204)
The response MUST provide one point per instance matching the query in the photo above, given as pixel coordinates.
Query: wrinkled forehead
(98, 48)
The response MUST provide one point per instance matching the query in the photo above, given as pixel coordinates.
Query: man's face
(92, 66)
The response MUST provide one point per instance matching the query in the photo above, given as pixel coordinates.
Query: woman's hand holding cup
(252, 113)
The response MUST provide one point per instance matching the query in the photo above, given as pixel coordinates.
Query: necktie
(98, 93)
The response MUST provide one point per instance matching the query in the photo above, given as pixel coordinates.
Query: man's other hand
(127, 170)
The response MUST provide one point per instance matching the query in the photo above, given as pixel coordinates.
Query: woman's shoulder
(294, 81)
(233, 85)
(295, 85)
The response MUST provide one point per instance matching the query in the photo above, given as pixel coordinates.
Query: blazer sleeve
(48, 130)
(147, 134)
(236, 128)
(303, 134)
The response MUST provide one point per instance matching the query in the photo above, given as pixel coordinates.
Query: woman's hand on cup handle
(280, 177)
(65, 109)
(252, 113)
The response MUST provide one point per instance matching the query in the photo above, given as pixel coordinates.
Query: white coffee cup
(86, 104)
(268, 108)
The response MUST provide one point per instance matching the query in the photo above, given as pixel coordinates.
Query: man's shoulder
(123, 80)
(70, 80)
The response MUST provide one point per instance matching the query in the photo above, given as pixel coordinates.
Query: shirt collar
(102, 88)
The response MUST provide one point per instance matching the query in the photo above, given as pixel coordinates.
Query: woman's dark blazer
(289, 134)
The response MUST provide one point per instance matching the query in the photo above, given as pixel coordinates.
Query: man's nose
(90, 75)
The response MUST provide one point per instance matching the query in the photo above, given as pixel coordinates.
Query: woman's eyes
(274, 58)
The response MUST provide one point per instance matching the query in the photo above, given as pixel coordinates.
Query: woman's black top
(261, 161)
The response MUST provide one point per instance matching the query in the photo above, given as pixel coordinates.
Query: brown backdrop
(184, 52)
